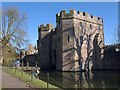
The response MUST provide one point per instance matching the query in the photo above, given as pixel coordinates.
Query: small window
(81, 25)
(59, 38)
(58, 24)
(54, 54)
(90, 26)
(91, 16)
(85, 30)
(68, 38)
(81, 39)
(98, 27)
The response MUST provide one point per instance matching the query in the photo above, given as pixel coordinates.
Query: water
(96, 79)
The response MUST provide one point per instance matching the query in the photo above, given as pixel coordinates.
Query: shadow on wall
(112, 57)
(96, 54)
(93, 59)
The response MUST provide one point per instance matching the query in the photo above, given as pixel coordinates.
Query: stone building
(30, 55)
(75, 44)
(31, 50)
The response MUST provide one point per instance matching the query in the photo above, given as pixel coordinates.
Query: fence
(29, 72)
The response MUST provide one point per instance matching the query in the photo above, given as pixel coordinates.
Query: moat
(95, 79)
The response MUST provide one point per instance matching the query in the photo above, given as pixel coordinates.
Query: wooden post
(22, 69)
(32, 74)
(27, 64)
(9, 64)
(15, 69)
(78, 84)
(47, 80)
(22, 64)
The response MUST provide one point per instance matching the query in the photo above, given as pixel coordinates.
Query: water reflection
(96, 79)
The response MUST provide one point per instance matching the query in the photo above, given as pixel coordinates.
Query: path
(9, 81)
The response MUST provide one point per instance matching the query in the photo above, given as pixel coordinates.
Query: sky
(45, 12)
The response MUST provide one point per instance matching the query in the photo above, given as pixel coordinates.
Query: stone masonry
(75, 44)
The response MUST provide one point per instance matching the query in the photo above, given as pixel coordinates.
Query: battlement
(64, 14)
(79, 15)
(112, 45)
(46, 27)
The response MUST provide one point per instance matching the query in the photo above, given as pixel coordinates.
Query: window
(59, 39)
(54, 54)
(68, 38)
(81, 25)
(85, 30)
(84, 23)
(81, 39)
(98, 27)
(91, 16)
(58, 24)
(90, 26)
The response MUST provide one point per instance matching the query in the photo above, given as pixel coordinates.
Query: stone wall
(112, 57)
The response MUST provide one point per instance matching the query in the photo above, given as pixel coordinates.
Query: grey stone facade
(75, 44)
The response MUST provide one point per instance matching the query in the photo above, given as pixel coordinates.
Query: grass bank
(27, 78)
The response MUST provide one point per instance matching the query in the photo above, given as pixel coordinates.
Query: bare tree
(13, 26)
(117, 36)
(13, 29)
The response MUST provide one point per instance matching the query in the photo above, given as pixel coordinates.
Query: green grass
(25, 77)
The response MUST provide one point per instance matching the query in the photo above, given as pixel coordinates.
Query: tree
(13, 26)
(117, 36)
(13, 30)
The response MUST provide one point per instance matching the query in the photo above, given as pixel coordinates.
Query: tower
(80, 41)
(44, 46)
(65, 43)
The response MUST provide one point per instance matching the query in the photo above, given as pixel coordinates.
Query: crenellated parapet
(79, 15)
(112, 45)
(45, 27)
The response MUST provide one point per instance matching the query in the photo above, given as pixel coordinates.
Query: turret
(43, 30)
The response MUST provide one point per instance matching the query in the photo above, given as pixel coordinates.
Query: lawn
(27, 78)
